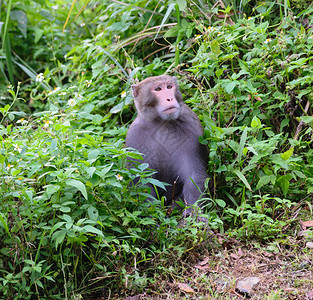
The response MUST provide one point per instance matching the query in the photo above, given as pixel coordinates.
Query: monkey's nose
(169, 99)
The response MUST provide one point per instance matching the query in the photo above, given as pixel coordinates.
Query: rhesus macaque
(166, 131)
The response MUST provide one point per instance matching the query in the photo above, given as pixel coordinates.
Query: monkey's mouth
(170, 110)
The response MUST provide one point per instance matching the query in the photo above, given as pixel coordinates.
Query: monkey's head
(158, 97)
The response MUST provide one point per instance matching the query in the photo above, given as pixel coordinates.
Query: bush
(70, 222)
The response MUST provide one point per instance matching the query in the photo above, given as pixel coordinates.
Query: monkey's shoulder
(190, 120)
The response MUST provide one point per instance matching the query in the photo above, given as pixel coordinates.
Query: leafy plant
(71, 222)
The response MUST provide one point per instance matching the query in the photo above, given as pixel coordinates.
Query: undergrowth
(69, 223)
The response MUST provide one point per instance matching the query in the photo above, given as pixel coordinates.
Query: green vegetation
(70, 226)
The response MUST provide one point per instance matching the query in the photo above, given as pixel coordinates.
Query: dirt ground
(284, 269)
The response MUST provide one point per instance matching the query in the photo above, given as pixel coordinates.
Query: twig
(174, 183)
(299, 127)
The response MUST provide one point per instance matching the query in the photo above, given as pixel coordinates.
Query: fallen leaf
(306, 224)
(202, 267)
(204, 262)
(309, 245)
(246, 284)
(185, 287)
(268, 254)
(240, 252)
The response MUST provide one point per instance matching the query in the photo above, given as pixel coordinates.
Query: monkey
(166, 131)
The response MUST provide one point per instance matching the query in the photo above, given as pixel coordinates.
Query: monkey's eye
(169, 86)
(157, 89)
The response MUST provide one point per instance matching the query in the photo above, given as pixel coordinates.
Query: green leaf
(79, 185)
(59, 237)
(65, 209)
(93, 154)
(91, 229)
(243, 179)
(307, 119)
(7, 49)
(299, 174)
(15, 172)
(182, 4)
(243, 140)
(230, 86)
(53, 145)
(220, 203)
(215, 48)
(29, 72)
(56, 226)
(11, 116)
(256, 122)
(156, 183)
(219, 72)
(92, 213)
(90, 170)
(263, 181)
(52, 189)
(148, 221)
(117, 108)
(5, 224)
(104, 170)
(286, 155)
(21, 18)
(39, 283)
(284, 184)
(222, 168)
(38, 34)
(166, 16)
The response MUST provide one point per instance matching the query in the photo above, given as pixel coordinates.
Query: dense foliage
(69, 223)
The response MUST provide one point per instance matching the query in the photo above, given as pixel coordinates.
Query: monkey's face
(167, 105)
(158, 97)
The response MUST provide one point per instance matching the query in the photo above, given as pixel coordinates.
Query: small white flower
(17, 148)
(123, 94)
(40, 77)
(119, 177)
(62, 94)
(46, 123)
(88, 82)
(82, 24)
(2, 98)
(55, 7)
(211, 29)
(22, 121)
(56, 89)
(8, 167)
(267, 41)
(71, 102)
(78, 96)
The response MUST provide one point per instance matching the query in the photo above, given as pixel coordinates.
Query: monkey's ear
(135, 90)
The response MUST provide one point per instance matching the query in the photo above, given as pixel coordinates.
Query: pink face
(168, 107)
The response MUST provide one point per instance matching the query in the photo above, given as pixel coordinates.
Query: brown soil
(285, 270)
